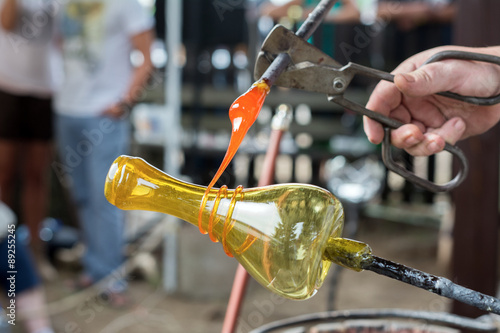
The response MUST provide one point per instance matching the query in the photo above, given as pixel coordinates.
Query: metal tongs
(312, 70)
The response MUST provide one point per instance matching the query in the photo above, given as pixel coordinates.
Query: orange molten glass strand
(242, 113)
(228, 224)
(221, 194)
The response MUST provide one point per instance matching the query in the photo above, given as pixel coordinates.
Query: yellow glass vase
(279, 233)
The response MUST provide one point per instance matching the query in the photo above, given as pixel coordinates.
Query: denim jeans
(87, 147)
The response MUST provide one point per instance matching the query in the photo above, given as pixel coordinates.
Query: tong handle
(425, 183)
(352, 69)
(464, 55)
(389, 162)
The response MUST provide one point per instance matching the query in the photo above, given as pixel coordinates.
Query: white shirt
(28, 56)
(96, 46)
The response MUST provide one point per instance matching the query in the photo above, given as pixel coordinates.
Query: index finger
(384, 99)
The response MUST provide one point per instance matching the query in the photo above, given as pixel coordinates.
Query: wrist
(121, 109)
(126, 104)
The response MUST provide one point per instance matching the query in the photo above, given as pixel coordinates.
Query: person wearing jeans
(92, 125)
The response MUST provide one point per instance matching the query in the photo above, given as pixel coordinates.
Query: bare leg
(8, 162)
(35, 194)
(35, 191)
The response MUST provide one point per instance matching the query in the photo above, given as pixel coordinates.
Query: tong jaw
(309, 67)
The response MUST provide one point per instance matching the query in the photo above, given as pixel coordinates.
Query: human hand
(117, 110)
(9, 15)
(431, 120)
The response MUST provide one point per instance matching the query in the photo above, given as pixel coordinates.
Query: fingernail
(433, 146)
(408, 77)
(459, 124)
(411, 140)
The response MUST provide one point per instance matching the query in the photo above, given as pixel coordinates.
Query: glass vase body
(278, 233)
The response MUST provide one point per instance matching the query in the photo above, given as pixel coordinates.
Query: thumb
(417, 83)
(429, 79)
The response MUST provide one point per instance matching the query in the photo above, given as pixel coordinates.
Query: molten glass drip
(279, 233)
(242, 113)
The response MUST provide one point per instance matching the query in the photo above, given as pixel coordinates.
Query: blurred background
(179, 280)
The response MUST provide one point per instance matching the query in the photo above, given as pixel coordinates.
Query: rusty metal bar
(435, 284)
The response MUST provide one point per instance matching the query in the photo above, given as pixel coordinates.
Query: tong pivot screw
(339, 84)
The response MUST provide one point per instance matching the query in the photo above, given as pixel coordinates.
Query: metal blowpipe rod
(358, 256)
(432, 283)
(305, 31)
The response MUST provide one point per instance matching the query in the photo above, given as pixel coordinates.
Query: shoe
(81, 283)
(116, 300)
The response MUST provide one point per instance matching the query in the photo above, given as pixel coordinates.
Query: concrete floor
(197, 310)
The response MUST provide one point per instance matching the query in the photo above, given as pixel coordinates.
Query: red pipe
(241, 276)
(235, 300)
